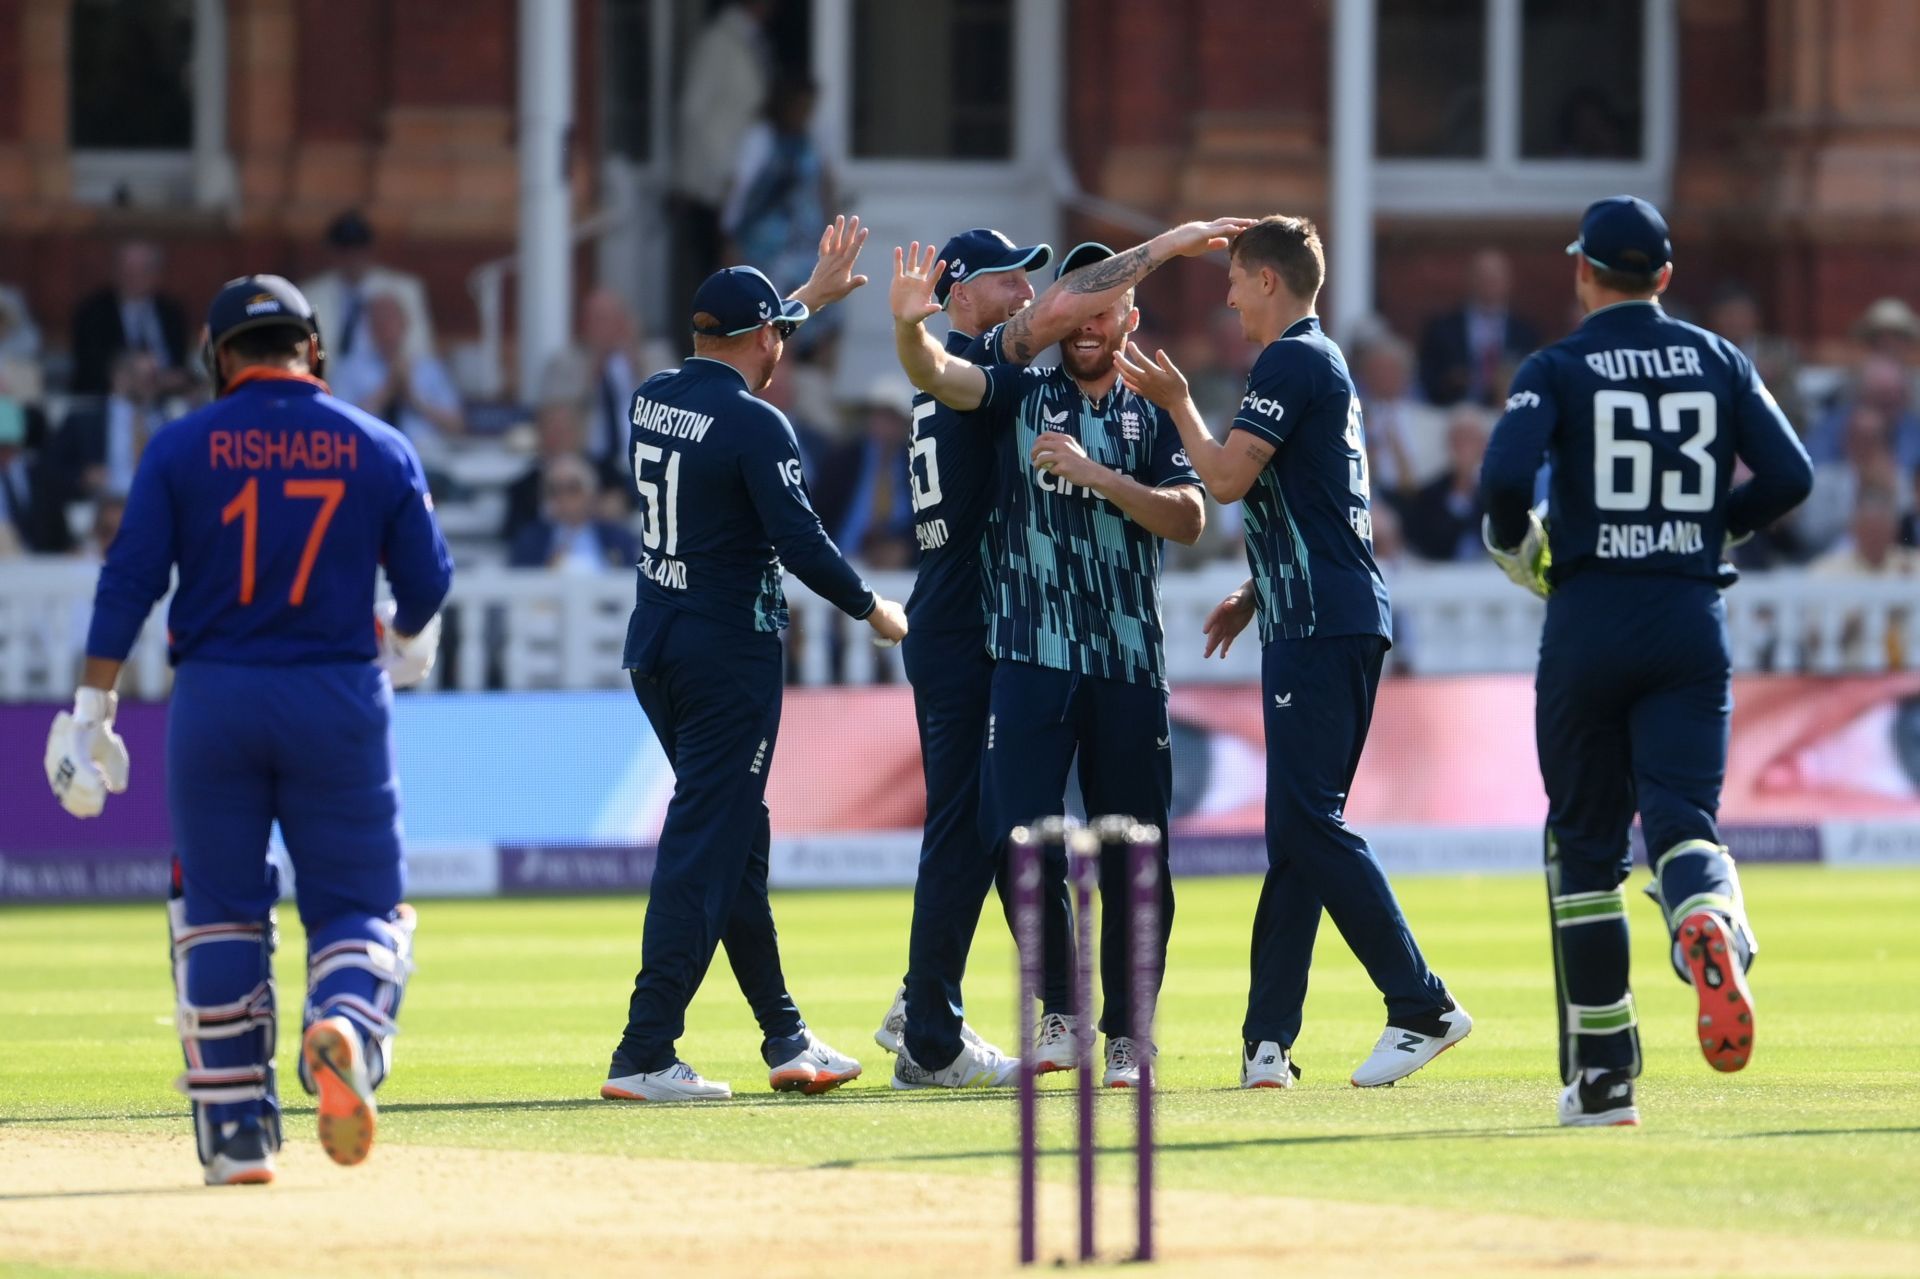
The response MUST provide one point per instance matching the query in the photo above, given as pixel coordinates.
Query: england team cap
(1624, 233)
(740, 299)
(1082, 254)
(983, 252)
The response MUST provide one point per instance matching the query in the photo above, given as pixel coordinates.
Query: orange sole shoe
(1726, 1005)
(346, 1115)
(810, 1083)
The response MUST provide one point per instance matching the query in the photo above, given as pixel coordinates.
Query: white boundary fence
(541, 630)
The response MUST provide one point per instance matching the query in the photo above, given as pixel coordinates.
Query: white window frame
(1501, 181)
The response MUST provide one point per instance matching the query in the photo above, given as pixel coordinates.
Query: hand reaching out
(914, 275)
(833, 276)
(1196, 239)
(1157, 380)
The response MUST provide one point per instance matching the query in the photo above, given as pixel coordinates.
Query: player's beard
(1089, 367)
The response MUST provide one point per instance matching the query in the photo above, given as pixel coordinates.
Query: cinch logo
(1180, 458)
(790, 472)
(1263, 406)
(1522, 400)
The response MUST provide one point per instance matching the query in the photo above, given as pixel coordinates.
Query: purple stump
(1144, 930)
(1083, 864)
(1026, 855)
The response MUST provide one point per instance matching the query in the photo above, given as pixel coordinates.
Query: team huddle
(1032, 640)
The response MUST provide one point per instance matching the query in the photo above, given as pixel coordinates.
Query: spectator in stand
(340, 295)
(388, 379)
(1735, 316)
(19, 336)
(1872, 550)
(31, 516)
(1442, 520)
(1867, 463)
(107, 514)
(1470, 352)
(1406, 439)
(865, 496)
(780, 192)
(723, 88)
(1889, 327)
(568, 538)
(100, 443)
(559, 431)
(1882, 384)
(130, 314)
(615, 360)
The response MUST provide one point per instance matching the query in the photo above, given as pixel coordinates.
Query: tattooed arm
(1082, 294)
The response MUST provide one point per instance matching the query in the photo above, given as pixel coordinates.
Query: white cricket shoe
(1401, 1050)
(677, 1082)
(977, 1066)
(1056, 1044)
(1123, 1062)
(1267, 1065)
(1597, 1099)
(893, 1027)
(817, 1068)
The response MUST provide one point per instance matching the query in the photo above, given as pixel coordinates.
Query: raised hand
(833, 276)
(914, 274)
(1157, 380)
(1194, 239)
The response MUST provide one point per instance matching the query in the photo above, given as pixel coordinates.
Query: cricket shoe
(1057, 1044)
(677, 1082)
(1123, 1062)
(1266, 1065)
(893, 1028)
(977, 1066)
(244, 1156)
(1402, 1050)
(1599, 1099)
(337, 1064)
(1726, 1005)
(808, 1065)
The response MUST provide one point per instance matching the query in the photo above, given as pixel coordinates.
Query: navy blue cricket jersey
(1076, 584)
(953, 473)
(1642, 417)
(1309, 516)
(278, 503)
(724, 503)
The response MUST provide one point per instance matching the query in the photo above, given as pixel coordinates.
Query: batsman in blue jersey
(1090, 479)
(278, 505)
(725, 509)
(993, 318)
(1297, 456)
(1642, 418)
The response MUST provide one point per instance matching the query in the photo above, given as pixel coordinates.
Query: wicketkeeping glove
(406, 660)
(86, 760)
(1526, 564)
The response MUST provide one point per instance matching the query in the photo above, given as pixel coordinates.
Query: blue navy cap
(1080, 255)
(1624, 233)
(983, 252)
(740, 299)
(258, 302)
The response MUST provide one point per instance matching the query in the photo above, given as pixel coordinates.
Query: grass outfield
(516, 1004)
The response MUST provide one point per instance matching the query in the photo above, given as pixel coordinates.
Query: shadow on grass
(127, 1193)
(1829, 1132)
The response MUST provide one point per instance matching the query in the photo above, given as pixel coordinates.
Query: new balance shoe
(977, 1066)
(893, 1027)
(1725, 1026)
(808, 1065)
(1403, 1049)
(678, 1082)
(1599, 1099)
(1123, 1062)
(1056, 1046)
(336, 1062)
(244, 1156)
(1266, 1065)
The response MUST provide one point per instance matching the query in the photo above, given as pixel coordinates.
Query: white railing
(533, 629)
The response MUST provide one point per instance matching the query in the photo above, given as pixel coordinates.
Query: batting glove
(86, 760)
(406, 659)
(1526, 564)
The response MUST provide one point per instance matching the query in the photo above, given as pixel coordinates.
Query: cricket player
(1642, 418)
(992, 318)
(1090, 480)
(1296, 456)
(725, 507)
(277, 504)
